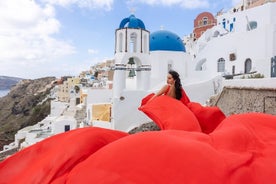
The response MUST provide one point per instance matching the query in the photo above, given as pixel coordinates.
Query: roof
(166, 41)
(132, 22)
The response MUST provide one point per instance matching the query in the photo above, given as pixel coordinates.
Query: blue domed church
(142, 61)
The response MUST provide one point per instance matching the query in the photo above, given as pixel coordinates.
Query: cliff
(7, 82)
(23, 107)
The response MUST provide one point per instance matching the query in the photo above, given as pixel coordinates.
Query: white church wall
(131, 83)
(162, 61)
(125, 111)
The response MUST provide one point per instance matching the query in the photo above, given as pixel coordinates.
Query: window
(170, 66)
(231, 27)
(205, 20)
(247, 65)
(252, 25)
(221, 65)
(232, 57)
(121, 42)
(66, 128)
(224, 23)
(133, 42)
(145, 44)
(233, 69)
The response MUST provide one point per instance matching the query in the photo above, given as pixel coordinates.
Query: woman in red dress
(173, 88)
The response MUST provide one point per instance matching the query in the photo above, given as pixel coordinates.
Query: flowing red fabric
(146, 99)
(168, 114)
(242, 149)
(208, 117)
(52, 159)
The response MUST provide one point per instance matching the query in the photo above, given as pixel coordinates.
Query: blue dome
(166, 40)
(132, 22)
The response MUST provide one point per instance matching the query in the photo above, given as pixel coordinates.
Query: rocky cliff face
(7, 82)
(22, 107)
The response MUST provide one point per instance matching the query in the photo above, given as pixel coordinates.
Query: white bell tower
(131, 48)
(132, 70)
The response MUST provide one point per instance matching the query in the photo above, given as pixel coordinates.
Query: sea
(4, 92)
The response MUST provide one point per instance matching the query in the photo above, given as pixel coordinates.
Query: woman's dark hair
(178, 85)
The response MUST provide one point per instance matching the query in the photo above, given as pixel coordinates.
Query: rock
(151, 126)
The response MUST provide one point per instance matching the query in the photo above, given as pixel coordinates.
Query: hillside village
(67, 104)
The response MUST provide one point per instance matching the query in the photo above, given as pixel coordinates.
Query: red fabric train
(176, 113)
(241, 149)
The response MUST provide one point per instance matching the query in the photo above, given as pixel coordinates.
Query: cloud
(188, 4)
(26, 31)
(27, 35)
(92, 4)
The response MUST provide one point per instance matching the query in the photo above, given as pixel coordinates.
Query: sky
(40, 38)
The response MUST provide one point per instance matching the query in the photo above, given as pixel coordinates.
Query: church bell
(131, 71)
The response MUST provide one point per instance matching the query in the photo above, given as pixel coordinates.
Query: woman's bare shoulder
(166, 86)
(162, 90)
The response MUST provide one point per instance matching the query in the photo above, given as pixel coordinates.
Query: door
(273, 66)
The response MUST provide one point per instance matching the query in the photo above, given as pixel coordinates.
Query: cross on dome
(132, 10)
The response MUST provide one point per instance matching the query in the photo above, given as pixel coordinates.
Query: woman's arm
(160, 92)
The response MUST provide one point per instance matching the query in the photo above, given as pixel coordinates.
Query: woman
(173, 88)
(208, 117)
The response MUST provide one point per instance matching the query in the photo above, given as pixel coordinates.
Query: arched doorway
(273, 66)
(247, 65)
(200, 66)
(221, 65)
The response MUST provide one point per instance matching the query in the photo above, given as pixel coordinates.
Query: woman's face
(170, 79)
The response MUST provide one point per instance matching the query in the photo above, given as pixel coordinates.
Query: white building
(241, 42)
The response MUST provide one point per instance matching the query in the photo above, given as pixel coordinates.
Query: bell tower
(132, 71)
(131, 55)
